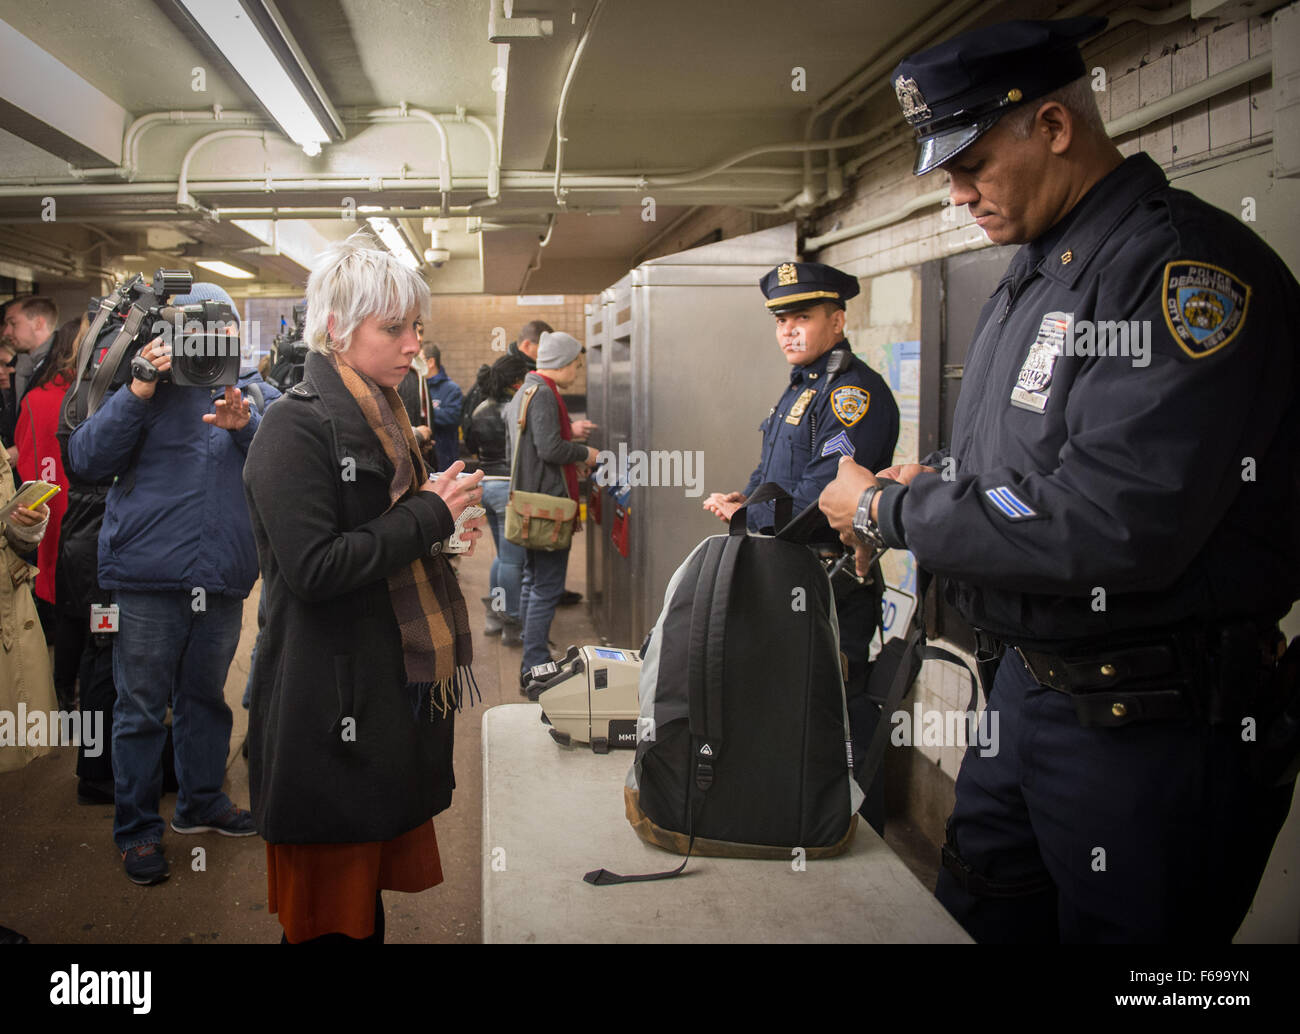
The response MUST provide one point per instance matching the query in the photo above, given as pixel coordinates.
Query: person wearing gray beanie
(549, 447)
(556, 350)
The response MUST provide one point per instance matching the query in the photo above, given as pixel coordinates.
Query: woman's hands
(457, 493)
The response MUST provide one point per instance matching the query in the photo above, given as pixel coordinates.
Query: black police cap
(792, 286)
(953, 93)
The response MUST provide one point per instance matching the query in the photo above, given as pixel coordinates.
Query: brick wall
(465, 326)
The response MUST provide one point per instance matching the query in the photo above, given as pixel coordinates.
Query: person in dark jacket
(176, 549)
(549, 449)
(1117, 516)
(491, 441)
(445, 398)
(367, 651)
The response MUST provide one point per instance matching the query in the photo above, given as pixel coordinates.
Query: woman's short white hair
(355, 279)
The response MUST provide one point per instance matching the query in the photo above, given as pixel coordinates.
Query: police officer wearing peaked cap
(1119, 518)
(835, 405)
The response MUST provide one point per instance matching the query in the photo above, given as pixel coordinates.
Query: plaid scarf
(437, 647)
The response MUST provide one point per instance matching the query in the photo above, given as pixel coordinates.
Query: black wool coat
(338, 751)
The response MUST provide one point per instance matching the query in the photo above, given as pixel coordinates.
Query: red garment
(318, 889)
(566, 432)
(39, 459)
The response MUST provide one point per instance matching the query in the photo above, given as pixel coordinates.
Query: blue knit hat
(204, 292)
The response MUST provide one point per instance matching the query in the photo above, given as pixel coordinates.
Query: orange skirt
(330, 888)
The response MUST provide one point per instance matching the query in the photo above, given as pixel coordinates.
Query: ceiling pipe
(1248, 71)
(564, 103)
(806, 147)
(403, 111)
(183, 198)
(834, 179)
(137, 129)
(962, 19)
(871, 73)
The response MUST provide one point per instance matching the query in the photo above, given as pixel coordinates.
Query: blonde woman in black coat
(366, 652)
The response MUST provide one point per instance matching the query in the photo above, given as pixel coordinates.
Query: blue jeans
(542, 589)
(508, 564)
(165, 650)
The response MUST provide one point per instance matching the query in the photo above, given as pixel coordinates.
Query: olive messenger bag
(535, 520)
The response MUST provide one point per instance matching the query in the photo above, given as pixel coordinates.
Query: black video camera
(203, 337)
(289, 353)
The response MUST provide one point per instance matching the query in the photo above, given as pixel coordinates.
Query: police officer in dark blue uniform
(835, 406)
(1118, 513)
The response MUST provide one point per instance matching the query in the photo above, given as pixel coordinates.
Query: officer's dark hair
(432, 351)
(533, 331)
(1076, 97)
(34, 305)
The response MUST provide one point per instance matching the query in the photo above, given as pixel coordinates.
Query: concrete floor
(61, 878)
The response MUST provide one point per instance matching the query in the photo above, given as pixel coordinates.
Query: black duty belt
(1175, 675)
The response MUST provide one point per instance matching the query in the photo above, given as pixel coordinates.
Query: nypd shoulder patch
(849, 404)
(1204, 306)
(1010, 505)
(839, 443)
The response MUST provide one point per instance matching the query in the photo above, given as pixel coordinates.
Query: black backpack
(743, 738)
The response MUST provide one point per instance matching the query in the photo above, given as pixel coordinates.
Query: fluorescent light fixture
(395, 241)
(260, 60)
(224, 269)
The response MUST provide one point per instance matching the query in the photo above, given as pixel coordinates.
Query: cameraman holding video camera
(176, 549)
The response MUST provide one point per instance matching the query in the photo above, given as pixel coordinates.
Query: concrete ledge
(551, 814)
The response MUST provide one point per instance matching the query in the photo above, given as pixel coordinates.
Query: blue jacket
(445, 396)
(176, 517)
(818, 419)
(1163, 474)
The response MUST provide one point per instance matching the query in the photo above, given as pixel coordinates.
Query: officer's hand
(904, 472)
(582, 429)
(861, 559)
(839, 499)
(724, 505)
(160, 356)
(232, 412)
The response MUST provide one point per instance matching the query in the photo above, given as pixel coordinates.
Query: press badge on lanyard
(103, 617)
(1034, 383)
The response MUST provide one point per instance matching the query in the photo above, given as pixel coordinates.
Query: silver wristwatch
(864, 527)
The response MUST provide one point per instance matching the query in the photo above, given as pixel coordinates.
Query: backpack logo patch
(706, 751)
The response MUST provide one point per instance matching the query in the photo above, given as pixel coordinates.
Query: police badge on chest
(1034, 382)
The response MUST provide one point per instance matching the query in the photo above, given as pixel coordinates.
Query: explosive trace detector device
(590, 696)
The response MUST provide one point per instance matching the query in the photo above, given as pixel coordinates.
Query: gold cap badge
(786, 274)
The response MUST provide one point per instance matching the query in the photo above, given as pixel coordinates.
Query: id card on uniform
(103, 617)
